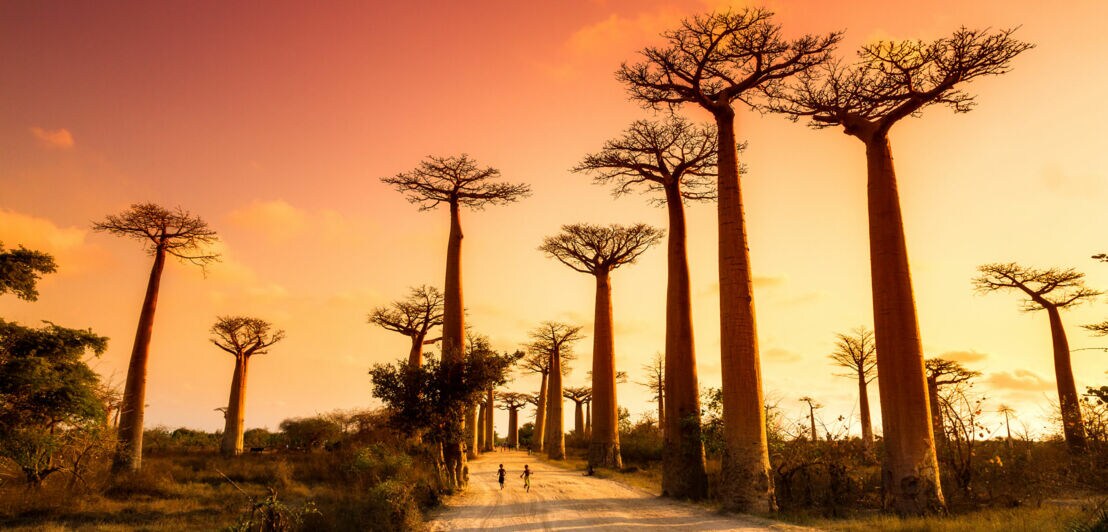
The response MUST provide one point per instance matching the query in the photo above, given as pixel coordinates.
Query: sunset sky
(274, 121)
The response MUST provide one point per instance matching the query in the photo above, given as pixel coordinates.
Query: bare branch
(597, 249)
(177, 232)
(455, 180)
(244, 336)
(1043, 288)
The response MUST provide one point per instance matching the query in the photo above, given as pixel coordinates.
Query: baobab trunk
(538, 436)
(863, 405)
(604, 441)
(472, 432)
(490, 433)
(1073, 427)
(910, 472)
(415, 355)
(746, 483)
(513, 428)
(453, 339)
(588, 419)
(578, 419)
(128, 454)
(938, 429)
(812, 418)
(482, 433)
(555, 431)
(236, 407)
(661, 405)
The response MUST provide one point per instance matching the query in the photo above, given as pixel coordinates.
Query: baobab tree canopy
(177, 232)
(597, 249)
(856, 351)
(456, 180)
(244, 336)
(1042, 288)
(417, 314)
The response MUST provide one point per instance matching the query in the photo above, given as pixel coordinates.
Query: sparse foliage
(413, 317)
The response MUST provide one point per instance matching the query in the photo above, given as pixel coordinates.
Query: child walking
(500, 476)
(526, 476)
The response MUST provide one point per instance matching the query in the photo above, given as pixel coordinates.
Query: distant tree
(713, 61)
(49, 396)
(537, 360)
(812, 406)
(20, 270)
(892, 81)
(655, 382)
(597, 250)
(579, 395)
(243, 337)
(1007, 411)
(941, 373)
(513, 402)
(856, 352)
(1051, 290)
(458, 182)
(554, 340)
(163, 232)
(413, 317)
(310, 433)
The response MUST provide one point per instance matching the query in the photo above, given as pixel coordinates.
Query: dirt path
(567, 500)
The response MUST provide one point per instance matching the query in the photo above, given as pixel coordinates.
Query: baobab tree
(538, 400)
(243, 337)
(1007, 411)
(538, 361)
(487, 423)
(675, 159)
(655, 382)
(713, 61)
(457, 181)
(20, 270)
(413, 317)
(597, 250)
(812, 406)
(892, 81)
(579, 395)
(1052, 290)
(482, 420)
(941, 373)
(513, 402)
(856, 352)
(164, 233)
(554, 340)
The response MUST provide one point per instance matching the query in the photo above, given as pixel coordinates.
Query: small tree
(655, 382)
(857, 353)
(163, 232)
(458, 182)
(413, 317)
(812, 406)
(1052, 290)
(940, 374)
(554, 340)
(597, 250)
(20, 270)
(579, 395)
(243, 337)
(513, 402)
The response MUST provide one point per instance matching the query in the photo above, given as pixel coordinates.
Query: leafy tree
(48, 394)
(20, 270)
(892, 81)
(458, 182)
(597, 250)
(856, 352)
(413, 317)
(309, 433)
(163, 232)
(243, 337)
(1052, 290)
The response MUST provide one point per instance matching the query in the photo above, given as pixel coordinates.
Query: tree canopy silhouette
(243, 337)
(21, 269)
(857, 352)
(413, 317)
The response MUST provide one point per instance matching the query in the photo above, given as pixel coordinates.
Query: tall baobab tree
(579, 395)
(942, 372)
(554, 340)
(487, 423)
(482, 421)
(1052, 290)
(413, 317)
(457, 181)
(538, 400)
(243, 337)
(856, 352)
(512, 402)
(538, 361)
(20, 270)
(597, 250)
(675, 159)
(164, 233)
(713, 61)
(890, 82)
(812, 406)
(655, 382)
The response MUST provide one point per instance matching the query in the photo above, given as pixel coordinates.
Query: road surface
(561, 499)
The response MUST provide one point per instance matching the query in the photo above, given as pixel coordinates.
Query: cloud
(53, 138)
(1021, 379)
(278, 221)
(780, 356)
(38, 233)
(963, 356)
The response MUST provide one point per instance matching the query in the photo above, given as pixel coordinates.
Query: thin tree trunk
(555, 419)
(513, 428)
(863, 405)
(1008, 429)
(746, 483)
(938, 428)
(128, 454)
(1073, 427)
(661, 403)
(236, 409)
(538, 436)
(812, 418)
(579, 419)
(473, 431)
(482, 433)
(910, 472)
(453, 340)
(415, 355)
(490, 432)
(588, 419)
(604, 442)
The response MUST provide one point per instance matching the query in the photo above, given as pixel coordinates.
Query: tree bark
(863, 405)
(415, 355)
(661, 403)
(555, 419)
(588, 419)
(910, 472)
(128, 454)
(453, 338)
(579, 419)
(482, 433)
(1073, 426)
(538, 436)
(490, 432)
(746, 483)
(513, 428)
(236, 409)
(604, 441)
(472, 432)
(812, 418)
(938, 429)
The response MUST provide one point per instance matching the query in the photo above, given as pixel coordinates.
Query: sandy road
(567, 500)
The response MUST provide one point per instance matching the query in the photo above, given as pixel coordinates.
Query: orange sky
(275, 124)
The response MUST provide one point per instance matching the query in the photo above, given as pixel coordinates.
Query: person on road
(500, 476)
(526, 476)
